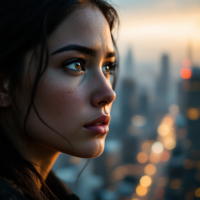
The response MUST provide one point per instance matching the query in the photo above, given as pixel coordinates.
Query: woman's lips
(99, 125)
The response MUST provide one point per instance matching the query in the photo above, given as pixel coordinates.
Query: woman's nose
(103, 93)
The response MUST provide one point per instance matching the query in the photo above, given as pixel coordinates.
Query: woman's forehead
(85, 26)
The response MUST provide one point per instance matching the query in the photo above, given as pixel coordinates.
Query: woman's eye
(106, 69)
(75, 65)
(109, 68)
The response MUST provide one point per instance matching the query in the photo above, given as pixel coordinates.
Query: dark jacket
(9, 191)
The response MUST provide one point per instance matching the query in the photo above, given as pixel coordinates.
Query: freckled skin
(66, 102)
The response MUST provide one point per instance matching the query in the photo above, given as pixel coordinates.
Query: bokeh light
(154, 158)
(169, 120)
(150, 169)
(146, 146)
(169, 143)
(142, 157)
(145, 181)
(165, 156)
(157, 147)
(193, 114)
(141, 190)
(163, 129)
(197, 192)
(185, 73)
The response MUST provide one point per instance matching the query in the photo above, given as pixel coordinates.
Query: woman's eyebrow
(75, 47)
(110, 54)
(82, 49)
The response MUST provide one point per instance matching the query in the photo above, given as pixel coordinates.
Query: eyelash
(82, 61)
(112, 65)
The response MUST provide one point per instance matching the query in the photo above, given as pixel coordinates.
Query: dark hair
(25, 25)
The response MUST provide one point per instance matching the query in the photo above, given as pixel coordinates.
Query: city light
(163, 130)
(165, 156)
(145, 181)
(193, 114)
(169, 143)
(185, 73)
(157, 147)
(197, 192)
(169, 120)
(142, 157)
(141, 190)
(154, 158)
(146, 146)
(150, 169)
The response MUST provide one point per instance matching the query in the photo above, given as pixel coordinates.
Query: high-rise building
(184, 182)
(162, 86)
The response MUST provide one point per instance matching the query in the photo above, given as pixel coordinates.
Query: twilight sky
(153, 27)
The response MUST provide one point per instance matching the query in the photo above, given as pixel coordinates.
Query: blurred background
(152, 151)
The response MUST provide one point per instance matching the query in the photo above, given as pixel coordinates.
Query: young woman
(57, 58)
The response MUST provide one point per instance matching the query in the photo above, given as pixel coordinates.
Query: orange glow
(142, 157)
(186, 63)
(150, 169)
(145, 181)
(197, 192)
(146, 146)
(185, 73)
(141, 190)
(169, 120)
(163, 129)
(165, 156)
(154, 158)
(193, 114)
(169, 143)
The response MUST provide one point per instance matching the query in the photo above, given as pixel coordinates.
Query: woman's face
(74, 90)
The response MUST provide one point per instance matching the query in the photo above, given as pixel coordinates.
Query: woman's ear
(5, 98)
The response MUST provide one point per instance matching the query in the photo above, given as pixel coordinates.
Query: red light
(186, 73)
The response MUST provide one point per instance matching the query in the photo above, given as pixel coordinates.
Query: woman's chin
(90, 150)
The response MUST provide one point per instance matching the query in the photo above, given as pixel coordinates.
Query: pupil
(107, 68)
(77, 65)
